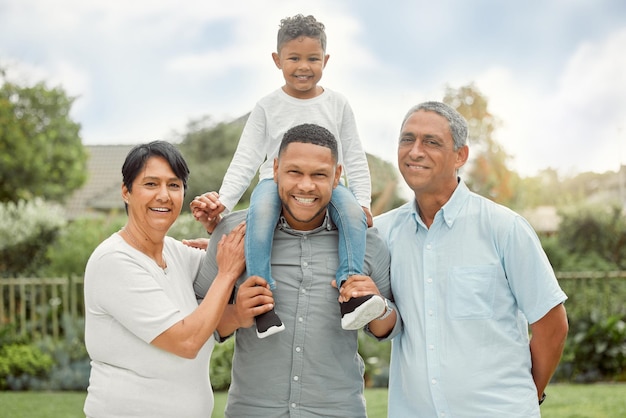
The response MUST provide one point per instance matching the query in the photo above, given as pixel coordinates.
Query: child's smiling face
(302, 61)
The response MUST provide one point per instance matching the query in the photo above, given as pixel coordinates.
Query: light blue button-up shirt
(466, 289)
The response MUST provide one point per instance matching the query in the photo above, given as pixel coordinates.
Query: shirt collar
(453, 206)
(450, 210)
(327, 224)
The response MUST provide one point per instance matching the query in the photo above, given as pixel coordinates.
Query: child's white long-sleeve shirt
(272, 116)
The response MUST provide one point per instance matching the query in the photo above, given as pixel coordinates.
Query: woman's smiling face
(157, 196)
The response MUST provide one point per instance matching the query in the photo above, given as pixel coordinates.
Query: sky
(553, 71)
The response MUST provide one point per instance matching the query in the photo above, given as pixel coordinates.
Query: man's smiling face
(426, 156)
(306, 175)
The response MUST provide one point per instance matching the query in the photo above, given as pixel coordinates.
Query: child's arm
(250, 154)
(355, 166)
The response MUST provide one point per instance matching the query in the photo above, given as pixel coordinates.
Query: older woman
(149, 340)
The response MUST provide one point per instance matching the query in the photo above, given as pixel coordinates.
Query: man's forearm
(229, 322)
(546, 346)
(381, 328)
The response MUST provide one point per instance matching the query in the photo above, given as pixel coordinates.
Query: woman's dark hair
(137, 157)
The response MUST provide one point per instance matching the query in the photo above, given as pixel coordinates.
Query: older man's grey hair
(456, 122)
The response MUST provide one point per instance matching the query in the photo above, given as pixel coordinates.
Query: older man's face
(426, 155)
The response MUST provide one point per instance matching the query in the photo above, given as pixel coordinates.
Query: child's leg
(261, 221)
(348, 216)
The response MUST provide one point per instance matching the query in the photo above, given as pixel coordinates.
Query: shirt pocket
(471, 292)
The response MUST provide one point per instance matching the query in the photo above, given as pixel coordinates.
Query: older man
(468, 276)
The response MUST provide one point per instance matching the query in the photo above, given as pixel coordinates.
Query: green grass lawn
(564, 401)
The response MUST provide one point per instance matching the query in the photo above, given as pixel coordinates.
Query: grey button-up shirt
(312, 368)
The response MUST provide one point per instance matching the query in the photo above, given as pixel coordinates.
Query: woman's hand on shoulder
(230, 252)
(200, 243)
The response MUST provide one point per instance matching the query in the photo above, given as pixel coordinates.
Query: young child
(301, 56)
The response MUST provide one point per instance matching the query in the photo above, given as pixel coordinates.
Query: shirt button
(298, 349)
(428, 247)
(430, 312)
(431, 347)
(295, 378)
(301, 319)
(303, 291)
(434, 381)
(429, 280)
(305, 264)
(293, 405)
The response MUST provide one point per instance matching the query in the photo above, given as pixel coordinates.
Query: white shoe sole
(364, 314)
(270, 331)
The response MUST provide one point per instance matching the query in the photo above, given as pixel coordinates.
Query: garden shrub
(595, 349)
(26, 230)
(221, 364)
(20, 363)
(47, 363)
(376, 356)
(71, 362)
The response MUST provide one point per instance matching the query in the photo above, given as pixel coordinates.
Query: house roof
(102, 190)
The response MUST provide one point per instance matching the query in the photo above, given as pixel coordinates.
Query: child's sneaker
(268, 323)
(357, 312)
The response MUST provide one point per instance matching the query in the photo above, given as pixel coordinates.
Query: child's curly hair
(294, 27)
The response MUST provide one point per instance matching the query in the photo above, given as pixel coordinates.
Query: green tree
(488, 174)
(208, 148)
(542, 189)
(384, 177)
(41, 154)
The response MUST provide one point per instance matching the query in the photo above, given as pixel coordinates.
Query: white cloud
(144, 68)
(578, 124)
(514, 103)
(586, 115)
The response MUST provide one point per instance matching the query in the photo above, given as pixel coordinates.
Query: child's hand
(207, 208)
(209, 203)
(368, 216)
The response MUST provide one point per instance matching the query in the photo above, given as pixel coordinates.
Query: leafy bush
(71, 362)
(595, 349)
(19, 363)
(376, 356)
(594, 238)
(26, 230)
(47, 363)
(221, 364)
